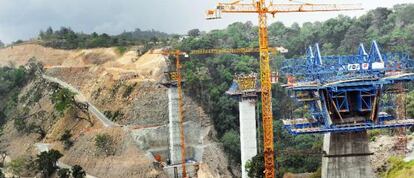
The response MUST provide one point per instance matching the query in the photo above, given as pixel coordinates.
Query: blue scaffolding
(344, 93)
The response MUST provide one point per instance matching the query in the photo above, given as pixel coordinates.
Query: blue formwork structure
(344, 93)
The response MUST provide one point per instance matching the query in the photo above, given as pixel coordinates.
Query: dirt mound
(19, 55)
(127, 161)
(129, 66)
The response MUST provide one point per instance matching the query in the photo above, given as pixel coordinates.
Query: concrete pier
(174, 126)
(248, 139)
(346, 156)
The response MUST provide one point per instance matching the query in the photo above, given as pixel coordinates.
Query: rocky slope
(127, 89)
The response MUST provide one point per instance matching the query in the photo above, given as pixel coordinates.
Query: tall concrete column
(345, 155)
(174, 126)
(248, 139)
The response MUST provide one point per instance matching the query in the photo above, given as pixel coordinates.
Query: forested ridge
(209, 76)
(66, 38)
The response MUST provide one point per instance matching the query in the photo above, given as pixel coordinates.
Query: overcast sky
(23, 19)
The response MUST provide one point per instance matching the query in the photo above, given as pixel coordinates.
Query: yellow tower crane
(177, 54)
(178, 78)
(262, 9)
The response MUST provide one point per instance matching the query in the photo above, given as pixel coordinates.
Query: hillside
(125, 87)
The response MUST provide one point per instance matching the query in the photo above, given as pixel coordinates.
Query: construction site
(247, 101)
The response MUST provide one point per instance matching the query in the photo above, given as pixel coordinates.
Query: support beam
(174, 126)
(355, 164)
(248, 139)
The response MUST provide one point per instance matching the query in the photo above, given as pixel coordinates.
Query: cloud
(23, 19)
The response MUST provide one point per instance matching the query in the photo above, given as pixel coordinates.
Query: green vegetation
(22, 166)
(1, 174)
(12, 77)
(66, 139)
(113, 116)
(255, 167)
(317, 174)
(128, 90)
(121, 50)
(11, 82)
(63, 173)
(16, 166)
(46, 162)
(209, 76)
(399, 168)
(231, 142)
(410, 105)
(62, 99)
(373, 134)
(104, 144)
(78, 172)
(66, 38)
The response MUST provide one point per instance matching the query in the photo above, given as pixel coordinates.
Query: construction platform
(345, 93)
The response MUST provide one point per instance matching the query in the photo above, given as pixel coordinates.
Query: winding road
(81, 98)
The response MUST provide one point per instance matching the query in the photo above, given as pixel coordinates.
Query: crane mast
(180, 111)
(259, 7)
(266, 92)
(176, 54)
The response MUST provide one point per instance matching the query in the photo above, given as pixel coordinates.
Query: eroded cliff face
(40, 122)
(127, 89)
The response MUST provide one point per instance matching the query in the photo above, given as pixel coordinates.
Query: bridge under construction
(344, 96)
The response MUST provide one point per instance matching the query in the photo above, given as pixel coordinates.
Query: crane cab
(213, 14)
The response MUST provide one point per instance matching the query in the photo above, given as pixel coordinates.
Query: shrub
(129, 89)
(20, 124)
(66, 139)
(16, 166)
(113, 116)
(63, 173)
(255, 166)
(317, 174)
(121, 50)
(399, 168)
(103, 143)
(231, 143)
(78, 172)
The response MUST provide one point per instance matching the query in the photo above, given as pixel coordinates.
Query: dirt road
(81, 98)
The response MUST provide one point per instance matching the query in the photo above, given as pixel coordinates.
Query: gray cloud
(23, 19)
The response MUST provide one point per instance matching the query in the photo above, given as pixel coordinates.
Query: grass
(121, 50)
(399, 168)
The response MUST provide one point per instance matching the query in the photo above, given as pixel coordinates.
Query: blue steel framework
(344, 93)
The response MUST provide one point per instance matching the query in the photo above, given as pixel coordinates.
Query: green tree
(46, 162)
(78, 172)
(194, 33)
(63, 173)
(231, 143)
(255, 166)
(66, 139)
(62, 99)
